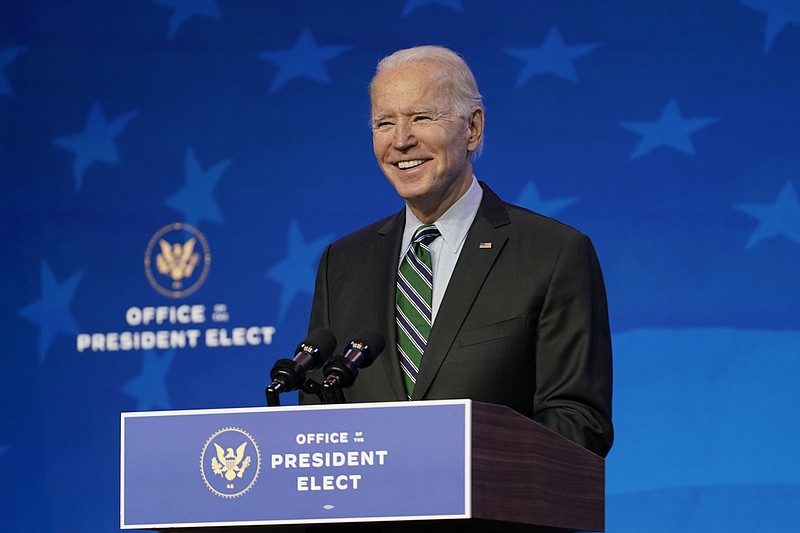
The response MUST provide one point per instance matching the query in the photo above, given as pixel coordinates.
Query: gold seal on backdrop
(177, 260)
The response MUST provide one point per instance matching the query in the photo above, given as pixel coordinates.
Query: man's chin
(409, 188)
(412, 194)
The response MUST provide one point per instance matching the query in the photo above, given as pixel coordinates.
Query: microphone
(290, 374)
(342, 370)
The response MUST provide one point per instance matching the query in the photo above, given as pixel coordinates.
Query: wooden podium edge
(526, 473)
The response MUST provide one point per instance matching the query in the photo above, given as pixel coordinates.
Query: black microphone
(290, 374)
(342, 370)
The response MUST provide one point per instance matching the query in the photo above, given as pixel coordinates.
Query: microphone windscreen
(324, 343)
(371, 342)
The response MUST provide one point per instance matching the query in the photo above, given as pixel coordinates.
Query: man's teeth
(403, 165)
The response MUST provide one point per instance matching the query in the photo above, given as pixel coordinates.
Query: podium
(400, 466)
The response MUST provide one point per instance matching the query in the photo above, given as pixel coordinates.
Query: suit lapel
(384, 253)
(473, 266)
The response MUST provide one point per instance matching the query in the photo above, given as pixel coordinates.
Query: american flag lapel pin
(485, 246)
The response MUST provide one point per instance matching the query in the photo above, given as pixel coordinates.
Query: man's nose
(403, 136)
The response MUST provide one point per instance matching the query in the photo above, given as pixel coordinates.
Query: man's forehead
(384, 111)
(409, 95)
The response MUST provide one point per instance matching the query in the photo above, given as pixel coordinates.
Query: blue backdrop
(172, 169)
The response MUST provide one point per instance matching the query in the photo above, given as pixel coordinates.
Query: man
(517, 308)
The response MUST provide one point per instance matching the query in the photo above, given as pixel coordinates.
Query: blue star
(7, 56)
(297, 271)
(779, 14)
(530, 198)
(196, 198)
(552, 57)
(95, 143)
(671, 130)
(780, 218)
(413, 5)
(149, 388)
(183, 10)
(52, 311)
(305, 58)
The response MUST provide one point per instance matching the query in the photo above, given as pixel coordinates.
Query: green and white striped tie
(414, 297)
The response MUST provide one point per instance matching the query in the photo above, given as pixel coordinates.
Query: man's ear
(475, 130)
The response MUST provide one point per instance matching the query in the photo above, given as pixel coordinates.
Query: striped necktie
(414, 297)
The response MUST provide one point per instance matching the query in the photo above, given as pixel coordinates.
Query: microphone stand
(273, 395)
(326, 395)
(331, 395)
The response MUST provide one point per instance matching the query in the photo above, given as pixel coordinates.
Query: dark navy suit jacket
(523, 322)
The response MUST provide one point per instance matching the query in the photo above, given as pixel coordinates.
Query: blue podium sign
(288, 465)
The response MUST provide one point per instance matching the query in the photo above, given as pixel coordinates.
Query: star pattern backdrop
(667, 131)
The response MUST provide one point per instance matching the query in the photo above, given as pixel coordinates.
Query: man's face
(421, 144)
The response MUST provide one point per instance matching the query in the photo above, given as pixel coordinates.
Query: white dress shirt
(453, 225)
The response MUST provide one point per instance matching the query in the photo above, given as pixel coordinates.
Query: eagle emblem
(230, 464)
(177, 260)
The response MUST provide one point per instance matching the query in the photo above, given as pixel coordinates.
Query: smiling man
(424, 140)
(476, 298)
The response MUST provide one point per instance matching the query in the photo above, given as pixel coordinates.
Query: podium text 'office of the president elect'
(382, 462)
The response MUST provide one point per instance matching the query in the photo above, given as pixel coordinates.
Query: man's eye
(422, 118)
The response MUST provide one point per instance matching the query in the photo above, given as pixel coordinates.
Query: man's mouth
(405, 165)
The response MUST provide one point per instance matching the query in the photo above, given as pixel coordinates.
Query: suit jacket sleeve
(319, 318)
(319, 305)
(573, 347)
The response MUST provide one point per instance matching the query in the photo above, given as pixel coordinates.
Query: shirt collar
(454, 223)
